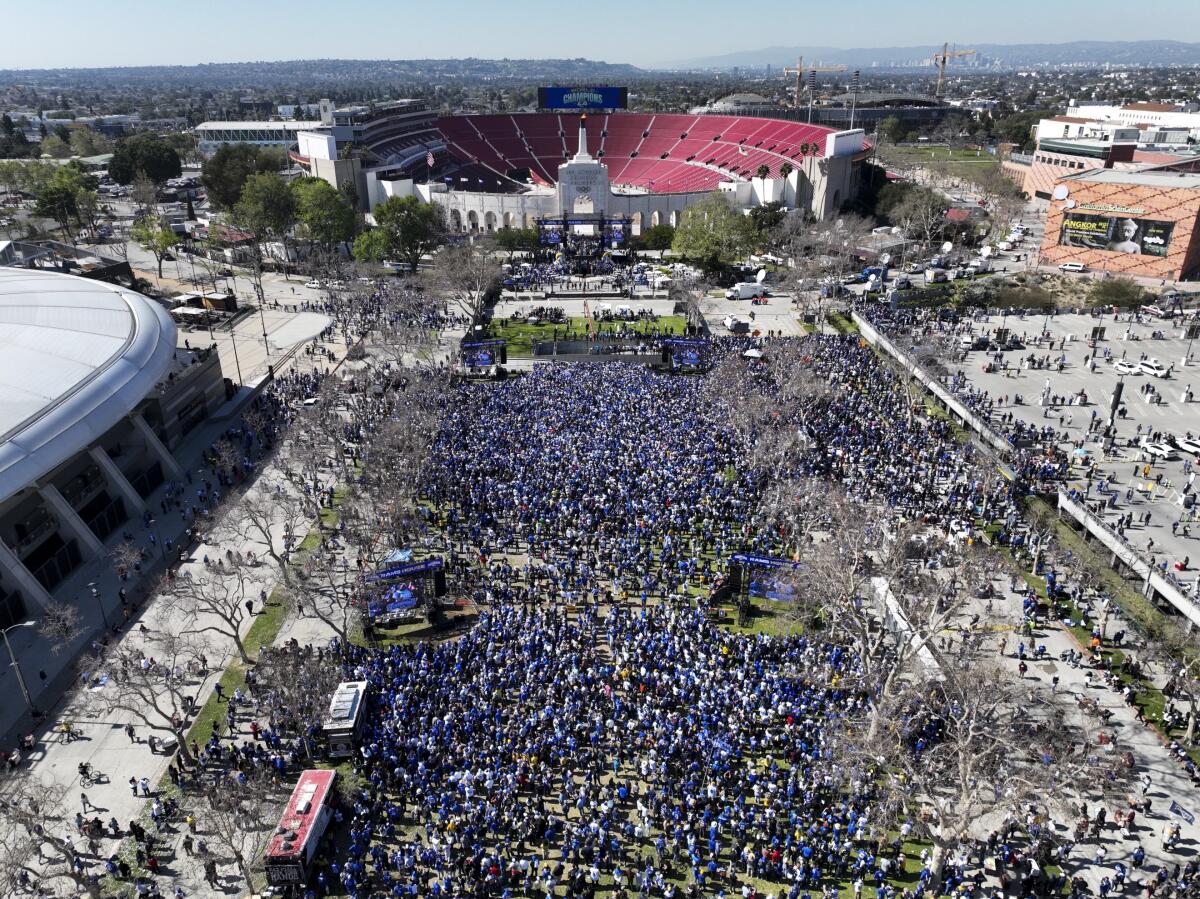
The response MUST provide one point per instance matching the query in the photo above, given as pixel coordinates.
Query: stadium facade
(94, 394)
(495, 171)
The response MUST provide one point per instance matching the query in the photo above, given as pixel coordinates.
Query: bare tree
(37, 842)
(126, 555)
(219, 599)
(144, 195)
(269, 522)
(155, 685)
(977, 744)
(466, 275)
(60, 624)
(238, 818)
(328, 591)
(298, 687)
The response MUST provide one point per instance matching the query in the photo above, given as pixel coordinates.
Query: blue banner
(583, 97)
(387, 574)
(754, 559)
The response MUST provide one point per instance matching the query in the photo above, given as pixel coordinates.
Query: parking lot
(1061, 381)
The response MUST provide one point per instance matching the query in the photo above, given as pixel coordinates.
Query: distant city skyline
(138, 32)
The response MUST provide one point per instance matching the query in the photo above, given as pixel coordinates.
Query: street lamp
(13, 661)
(96, 596)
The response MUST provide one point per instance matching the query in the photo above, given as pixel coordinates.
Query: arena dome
(76, 356)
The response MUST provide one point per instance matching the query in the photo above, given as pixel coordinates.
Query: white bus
(344, 721)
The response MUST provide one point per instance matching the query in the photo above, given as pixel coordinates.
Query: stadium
(492, 171)
(96, 395)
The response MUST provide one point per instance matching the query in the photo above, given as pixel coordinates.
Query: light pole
(14, 664)
(96, 596)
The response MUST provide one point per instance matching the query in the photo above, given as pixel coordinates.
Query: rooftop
(1152, 107)
(286, 125)
(1159, 179)
(76, 356)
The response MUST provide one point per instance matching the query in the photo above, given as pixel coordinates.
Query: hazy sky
(642, 32)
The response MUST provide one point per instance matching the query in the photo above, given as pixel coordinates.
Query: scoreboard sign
(583, 98)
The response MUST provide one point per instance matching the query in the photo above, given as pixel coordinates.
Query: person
(1125, 239)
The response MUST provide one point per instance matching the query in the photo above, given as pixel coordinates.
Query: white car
(314, 284)
(1189, 444)
(1154, 368)
(1158, 450)
(1127, 368)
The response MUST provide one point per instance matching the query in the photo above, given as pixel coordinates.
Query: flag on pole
(429, 158)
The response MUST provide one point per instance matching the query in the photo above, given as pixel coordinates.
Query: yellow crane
(800, 71)
(940, 59)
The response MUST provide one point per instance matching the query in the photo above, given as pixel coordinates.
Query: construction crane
(800, 72)
(940, 59)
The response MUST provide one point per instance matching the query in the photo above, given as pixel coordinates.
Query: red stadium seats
(663, 153)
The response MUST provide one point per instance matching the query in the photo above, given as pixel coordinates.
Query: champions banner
(1115, 233)
(583, 97)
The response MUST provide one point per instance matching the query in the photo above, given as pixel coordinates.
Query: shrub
(1117, 292)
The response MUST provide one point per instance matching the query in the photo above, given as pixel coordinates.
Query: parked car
(1156, 311)
(313, 284)
(1124, 367)
(1154, 368)
(1157, 450)
(903, 282)
(1074, 267)
(1188, 444)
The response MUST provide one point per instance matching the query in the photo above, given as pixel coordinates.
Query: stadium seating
(661, 153)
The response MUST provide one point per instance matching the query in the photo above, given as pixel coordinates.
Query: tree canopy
(144, 152)
(60, 196)
(658, 237)
(155, 238)
(266, 205)
(225, 172)
(322, 212)
(714, 233)
(413, 228)
(372, 246)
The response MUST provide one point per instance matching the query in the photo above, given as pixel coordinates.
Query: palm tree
(762, 171)
(785, 170)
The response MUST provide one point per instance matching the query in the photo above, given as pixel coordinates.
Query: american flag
(429, 158)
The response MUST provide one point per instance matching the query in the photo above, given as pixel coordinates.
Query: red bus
(289, 855)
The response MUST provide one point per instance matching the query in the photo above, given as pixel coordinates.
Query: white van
(935, 275)
(1077, 267)
(745, 290)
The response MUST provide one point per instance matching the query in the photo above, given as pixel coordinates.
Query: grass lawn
(770, 618)
(522, 337)
(841, 324)
(959, 162)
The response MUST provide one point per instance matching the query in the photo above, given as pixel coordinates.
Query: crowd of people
(596, 731)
